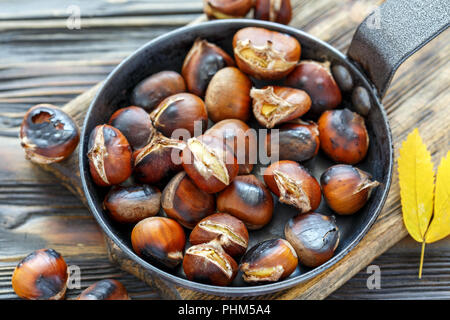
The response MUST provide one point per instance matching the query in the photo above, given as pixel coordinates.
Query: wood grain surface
(46, 62)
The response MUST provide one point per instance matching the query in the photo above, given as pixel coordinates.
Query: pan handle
(393, 32)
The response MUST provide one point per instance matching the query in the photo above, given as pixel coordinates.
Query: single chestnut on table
(293, 185)
(269, 261)
(158, 159)
(183, 201)
(316, 79)
(228, 95)
(109, 156)
(273, 105)
(133, 203)
(210, 163)
(273, 10)
(240, 138)
(231, 233)
(209, 263)
(42, 275)
(248, 199)
(48, 134)
(134, 123)
(265, 54)
(201, 63)
(346, 189)
(160, 240)
(226, 9)
(108, 289)
(149, 93)
(343, 136)
(314, 237)
(295, 140)
(180, 111)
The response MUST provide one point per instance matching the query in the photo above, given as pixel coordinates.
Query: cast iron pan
(376, 51)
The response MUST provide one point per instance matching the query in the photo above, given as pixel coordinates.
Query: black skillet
(381, 43)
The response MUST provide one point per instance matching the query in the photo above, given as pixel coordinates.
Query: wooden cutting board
(418, 97)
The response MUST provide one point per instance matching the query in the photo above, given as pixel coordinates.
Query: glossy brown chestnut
(273, 10)
(183, 201)
(158, 159)
(109, 156)
(240, 138)
(132, 204)
(316, 79)
(269, 261)
(226, 9)
(201, 63)
(108, 289)
(343, 136)
(249, 200)
(48, 134)
(42, 275)
(210, 163)
(346, 189)
(160, 240)
(134, 123)
(314, 237)
(209, 263)
(296, 140)
(180, 111)
(265, 54)
(273, 105)
(230, 231)
(149, 93)
(228, 95)
(293, 185)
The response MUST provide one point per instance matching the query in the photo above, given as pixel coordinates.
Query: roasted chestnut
(42, 275)
(273, 105)
(316, 79)
(158, 159)
(361, 101)
(248, 199)
(160, 240)
(293, 185)
(269, 261)
(48, 134)
(314, 237)
(265, 54)
(132, 204)
(109, 156)
(343, 136)
(226, 9)
(296, 140)
(149, 93)
(183, 201)
(228, 95)
(273, 10)
(108, 289)
(346, 189)
(201, 63)
(180, 111)
(209, 263)
(240, 138)
(134, 123)
(210, 163)
(230, 231)
(343, 77)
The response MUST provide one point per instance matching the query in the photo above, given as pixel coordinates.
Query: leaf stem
(421, 259)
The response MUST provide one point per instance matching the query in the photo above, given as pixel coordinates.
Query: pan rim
(242, 290)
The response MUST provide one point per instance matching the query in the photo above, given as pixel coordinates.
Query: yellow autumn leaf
(440, 225)
(416, 179)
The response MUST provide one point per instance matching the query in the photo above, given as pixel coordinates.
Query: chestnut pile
(159, 153)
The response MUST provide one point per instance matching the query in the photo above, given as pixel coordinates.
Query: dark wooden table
(42, 61)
